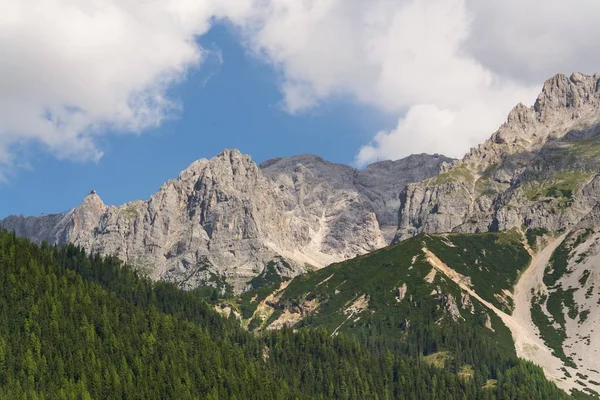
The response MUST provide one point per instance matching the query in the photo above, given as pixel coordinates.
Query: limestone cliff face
(224, 219)
(538, 170)
(311, 185)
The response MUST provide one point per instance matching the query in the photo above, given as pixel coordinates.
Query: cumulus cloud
(449, 70)
(73, 69)
(532, 40)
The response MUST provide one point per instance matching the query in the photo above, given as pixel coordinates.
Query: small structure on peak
(92, 191)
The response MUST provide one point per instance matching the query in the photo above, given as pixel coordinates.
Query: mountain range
(502, 246)
(224, 219)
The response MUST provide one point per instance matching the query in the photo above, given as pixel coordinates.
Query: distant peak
(93, 200)
(565, 103)
(230, 153)
(305, 159)
(269, 162)
(561, 91)
(92, 194)
(412, 158)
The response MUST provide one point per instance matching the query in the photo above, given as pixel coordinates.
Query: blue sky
(235, 103)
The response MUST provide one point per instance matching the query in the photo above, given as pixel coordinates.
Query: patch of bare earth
(526, 336)
(264, 309)
(358, 306)
(291, 317)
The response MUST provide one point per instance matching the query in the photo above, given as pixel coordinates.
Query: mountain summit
(223, 219)
(565, 104)
(538, 170)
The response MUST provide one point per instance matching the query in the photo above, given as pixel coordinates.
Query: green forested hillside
(82, 327)
(432, 319)
(490, 264)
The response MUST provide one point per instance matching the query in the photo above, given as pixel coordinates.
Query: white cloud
(531, 40)
(428, 128)
(72, 69)
(449, 70)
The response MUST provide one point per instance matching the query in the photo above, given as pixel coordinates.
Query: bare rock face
(448, 304)
(466, 303)
(488, 322)
(402, 290)
(538, 170)
(223, 219)
(382, 182)
(310, 183)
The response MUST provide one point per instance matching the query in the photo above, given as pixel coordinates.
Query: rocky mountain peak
(539, 169)
(520, 116)
(229, 169)
(226, 218)
(93, 203)
(83, 218)
(193, 171)
(234, 160)
(561, 92)
(564, 104)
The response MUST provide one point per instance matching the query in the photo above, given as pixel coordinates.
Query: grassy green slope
(421, 323)
(492, 261)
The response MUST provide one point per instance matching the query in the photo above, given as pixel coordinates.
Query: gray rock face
(538, 170)
(224, 219)
(382, 182)
(375, 189)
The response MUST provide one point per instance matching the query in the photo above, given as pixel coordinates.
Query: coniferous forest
(79, 326)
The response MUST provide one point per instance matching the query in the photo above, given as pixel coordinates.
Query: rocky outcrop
(382, 182)
(308, 182)
(449, 304)
(466, 302)
(402, 290)
(538, 170)
(223, 219)
(487, 322)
